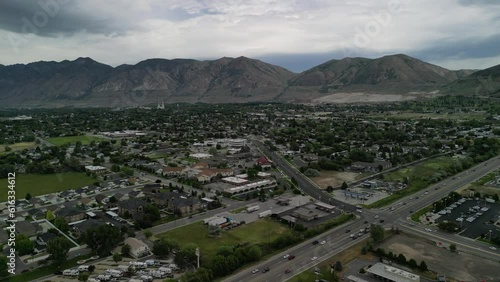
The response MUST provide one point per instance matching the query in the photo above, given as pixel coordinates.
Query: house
(374, 167)
(99, 198)
(152, 188)
(173, 171)
(87, 202)
(95, 169)
(184, 205)
(83, 226)
(164, 198)
(28, 228)
(71, 214)
(137, 247)
(44, 238)
(263, 162)
(134, 207)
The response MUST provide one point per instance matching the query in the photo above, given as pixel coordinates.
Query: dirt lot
(336, 178)
(462, 267)
(341, 98)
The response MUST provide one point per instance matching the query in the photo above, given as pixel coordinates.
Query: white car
(286, 256)
(323, 242)
(255, 271)
(314, 258)
(493, 248)
(376, 216)
(428, 229)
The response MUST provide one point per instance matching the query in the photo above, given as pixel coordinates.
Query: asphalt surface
(338, 240)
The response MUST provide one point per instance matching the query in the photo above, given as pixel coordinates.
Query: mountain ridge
(86, 82)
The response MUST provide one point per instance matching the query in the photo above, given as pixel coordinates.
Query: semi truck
(264, 213)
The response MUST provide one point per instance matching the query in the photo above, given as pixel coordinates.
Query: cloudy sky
(295, 34)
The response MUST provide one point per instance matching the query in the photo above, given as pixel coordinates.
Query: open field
(260, 231)
(58, 141)
(343, 98)
(413, 116)
(41, 184)
(419, 176)
(460, 266)
(17, 146)
(336, 178)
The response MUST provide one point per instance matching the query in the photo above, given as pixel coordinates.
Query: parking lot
(478, 217)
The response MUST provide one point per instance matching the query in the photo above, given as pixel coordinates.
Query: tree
(329, 189)
(91, 268)
(28, 197)
(412, 263)
(423, 266)
(24, 245)
(49, 215)
(401, 259)
(83, 276)
(4, 271)
(102, 239)
(164, 246)
(58, 249)
(126, 250)
(61, 224)
(252, 173)
(117, 257)
(377, 233)
(453, 247)
(115, 168)
(338, 266)
(187, 255)
(344, 186)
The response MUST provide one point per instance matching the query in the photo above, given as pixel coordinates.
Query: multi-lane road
(338, 239)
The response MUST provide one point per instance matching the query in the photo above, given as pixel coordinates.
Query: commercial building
(391, 273)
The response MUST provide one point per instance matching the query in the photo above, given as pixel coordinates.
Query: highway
(338, 239)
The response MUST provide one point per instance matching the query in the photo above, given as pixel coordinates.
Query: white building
(137, 247)
(390, 273)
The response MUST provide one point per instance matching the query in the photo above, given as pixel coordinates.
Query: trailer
(158, 274)
(103, 277)
(265, 213)
(114, 273)
(71, 272)
(166, 270)
(83, 268)
(252, 209)
(489, 200)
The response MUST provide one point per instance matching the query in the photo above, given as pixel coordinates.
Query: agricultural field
(58, 141)
(260, 231)
(41, 184)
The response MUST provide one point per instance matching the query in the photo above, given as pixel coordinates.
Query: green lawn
(260, 231)
(416, 216)
(58, 141)
(41, 184)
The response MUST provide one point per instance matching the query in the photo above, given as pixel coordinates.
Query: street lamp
(490, 234)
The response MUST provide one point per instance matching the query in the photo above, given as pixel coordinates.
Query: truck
(264, 213)
(252, 209)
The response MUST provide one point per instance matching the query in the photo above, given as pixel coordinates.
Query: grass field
(58, 141)
(260, 231)
(17, 146)
(41, 184)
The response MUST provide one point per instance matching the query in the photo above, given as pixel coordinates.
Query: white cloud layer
(447, 32)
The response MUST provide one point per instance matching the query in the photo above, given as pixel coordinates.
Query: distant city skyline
(296, 35)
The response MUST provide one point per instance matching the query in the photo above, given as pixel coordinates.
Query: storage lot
(483, 218)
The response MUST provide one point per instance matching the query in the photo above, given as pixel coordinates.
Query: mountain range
(85, 82)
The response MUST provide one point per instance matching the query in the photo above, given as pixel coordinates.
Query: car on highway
(348, 230)
(291, 257)
(366, 221)
(286, 256)
(255, 271)
(493, 248)
(428, 229)
(376, 216)
(287, 271)
(314, 258)
(315, 242)
(323, 242)
(426, 192)
(265, 269)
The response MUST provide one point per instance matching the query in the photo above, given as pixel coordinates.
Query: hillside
(389, 74)
(484, 83)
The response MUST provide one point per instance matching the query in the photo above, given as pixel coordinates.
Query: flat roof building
(391, 273)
